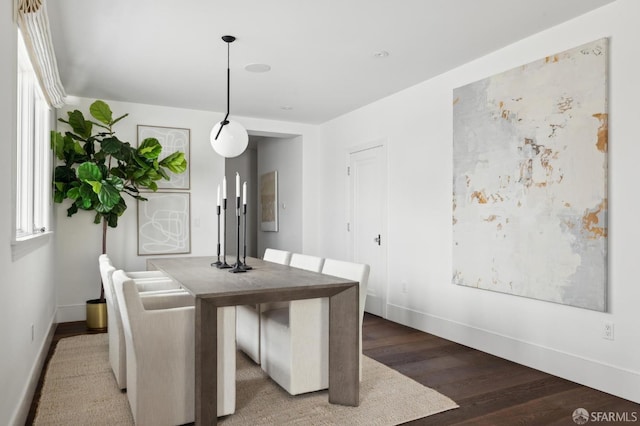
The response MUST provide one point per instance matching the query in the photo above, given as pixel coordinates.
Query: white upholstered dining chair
(148, 285)
(136, 275)
(160, 341)
(248, 316)
(309, 263)
(295, 340)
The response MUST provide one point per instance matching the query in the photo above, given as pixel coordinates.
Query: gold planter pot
(97, 314)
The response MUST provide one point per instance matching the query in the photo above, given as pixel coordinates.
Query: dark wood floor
(488, 389)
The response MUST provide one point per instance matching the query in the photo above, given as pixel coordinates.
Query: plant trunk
(104, 251)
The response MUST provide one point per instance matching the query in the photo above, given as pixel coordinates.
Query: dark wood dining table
(266, 282)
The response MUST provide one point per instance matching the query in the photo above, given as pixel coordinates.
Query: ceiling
(322, 53)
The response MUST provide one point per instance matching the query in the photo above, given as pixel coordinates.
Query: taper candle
(244, 193)
(218, 196)
(237, 185)
(224, 187)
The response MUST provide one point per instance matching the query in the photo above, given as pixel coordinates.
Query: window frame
(33, 158)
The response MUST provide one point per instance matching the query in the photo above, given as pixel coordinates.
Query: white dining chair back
(309, 263)
(277, 256)
(248, 316)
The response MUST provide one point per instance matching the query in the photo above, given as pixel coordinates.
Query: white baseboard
(607, 378)
(22, 411)
(69, 313)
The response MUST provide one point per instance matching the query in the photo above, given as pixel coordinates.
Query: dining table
(265, 282)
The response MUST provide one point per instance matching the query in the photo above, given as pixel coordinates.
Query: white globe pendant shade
(232, 141)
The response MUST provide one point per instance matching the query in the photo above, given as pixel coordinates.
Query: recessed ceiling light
(257, 67)
(286, 107)
(381, 54)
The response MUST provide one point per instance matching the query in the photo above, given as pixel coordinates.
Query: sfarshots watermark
(581, 416)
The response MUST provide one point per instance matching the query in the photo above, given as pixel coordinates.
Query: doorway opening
(266, 153)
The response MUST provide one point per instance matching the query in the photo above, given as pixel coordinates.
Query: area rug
(79, 389)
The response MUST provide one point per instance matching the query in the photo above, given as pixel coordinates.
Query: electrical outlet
(405, 287)
(607, 331)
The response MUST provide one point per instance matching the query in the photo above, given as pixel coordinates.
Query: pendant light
(229, 138)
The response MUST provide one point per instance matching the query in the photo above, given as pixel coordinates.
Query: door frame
(381, 142)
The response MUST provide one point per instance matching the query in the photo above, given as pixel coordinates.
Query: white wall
(285, 156)
(27, 285)
(417, 123)
(80, 240)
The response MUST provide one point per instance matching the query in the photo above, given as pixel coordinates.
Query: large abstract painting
(530, 180)
(163, 223)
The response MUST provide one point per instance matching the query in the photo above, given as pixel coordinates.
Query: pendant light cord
(225, 121)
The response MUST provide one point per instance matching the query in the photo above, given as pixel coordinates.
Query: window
(34, 158)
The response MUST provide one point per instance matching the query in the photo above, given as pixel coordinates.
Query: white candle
(224, 187)
(237, 185)
(218, 195)
(244, 193)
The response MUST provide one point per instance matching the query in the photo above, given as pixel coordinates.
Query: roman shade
(31, 16)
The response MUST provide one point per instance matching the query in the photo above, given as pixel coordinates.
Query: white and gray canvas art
(530, 180)
(163, 223)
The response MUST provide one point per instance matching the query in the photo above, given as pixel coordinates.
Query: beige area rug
(79, 389)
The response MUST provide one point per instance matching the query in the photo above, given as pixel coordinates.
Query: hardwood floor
(488, 389)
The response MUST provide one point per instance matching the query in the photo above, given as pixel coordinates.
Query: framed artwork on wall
(269, 201)
(171, 139)
(530, 179)
(164, 223)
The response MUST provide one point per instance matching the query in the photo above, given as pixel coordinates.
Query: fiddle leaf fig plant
(96, 168)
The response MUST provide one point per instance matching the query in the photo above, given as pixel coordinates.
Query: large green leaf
(84, 203)
(111, 145)
(79, 125)
(101, 112)
(108, 195)
(153, 175)
(141, 161)
(86, 191)
(175, 162)
(95, 185)
(73, 193)
(112, 220)
(64, 174)
(164, 174)
(89, 172)
(116, 182)
(150, 148)
(57, 144)
(72, 210)
(118, 172)
(119, 208)
(58, 196)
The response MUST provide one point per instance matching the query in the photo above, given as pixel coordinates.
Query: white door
(367, 207)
